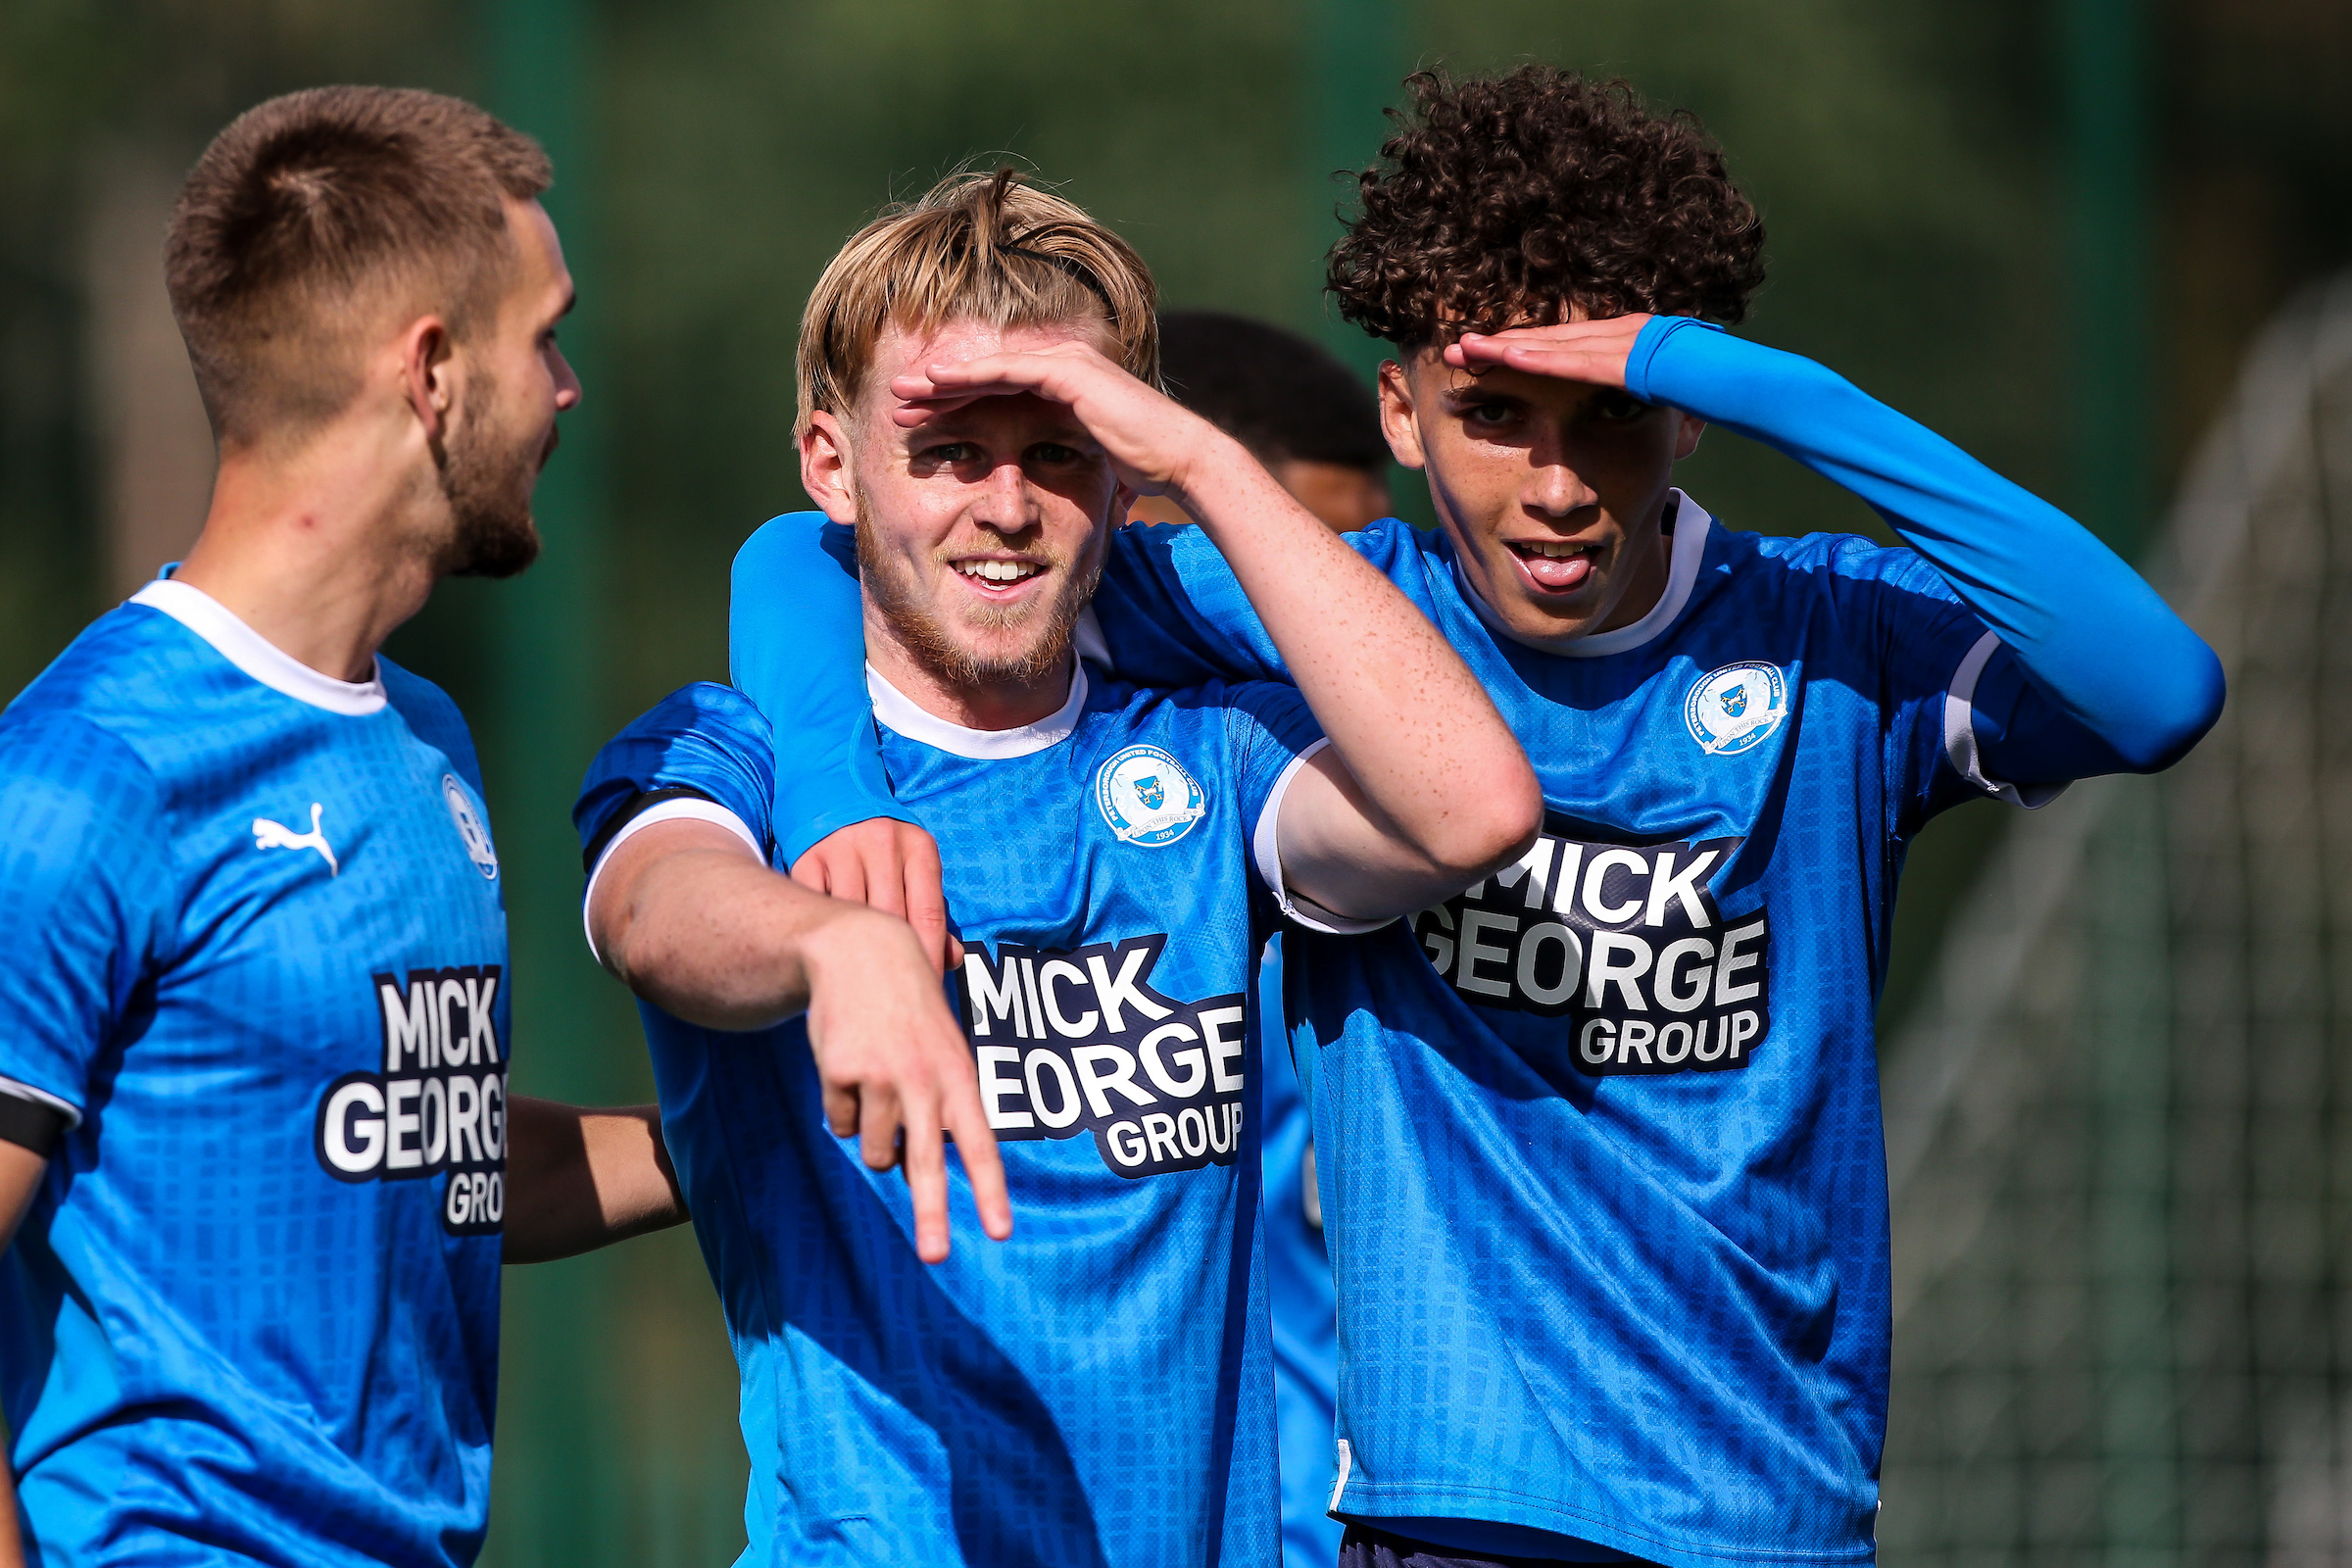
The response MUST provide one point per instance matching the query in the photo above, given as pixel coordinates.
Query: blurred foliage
(1902, 152)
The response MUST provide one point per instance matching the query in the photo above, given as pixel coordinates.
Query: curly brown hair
(1507, 201)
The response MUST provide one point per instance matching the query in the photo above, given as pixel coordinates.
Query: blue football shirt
(1303, 1329)
(1094, 1393)
(257, 958)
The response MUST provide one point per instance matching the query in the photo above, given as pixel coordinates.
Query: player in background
(1308, 418)
(1600, 1142)
(256, 1148)
(1316, 428)
(976, 400)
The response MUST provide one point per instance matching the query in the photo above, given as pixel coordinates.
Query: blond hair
(976, 247)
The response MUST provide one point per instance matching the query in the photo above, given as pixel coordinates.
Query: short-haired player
(257, 1152)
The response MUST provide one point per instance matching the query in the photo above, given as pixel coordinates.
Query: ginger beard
(983, 645)
(486, 478)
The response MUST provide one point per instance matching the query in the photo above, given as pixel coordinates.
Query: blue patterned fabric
(1094, 1393)
(257, 953)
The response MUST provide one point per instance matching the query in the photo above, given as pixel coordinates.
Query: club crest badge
(1737, 708)
(470, 827)
(1148, 797)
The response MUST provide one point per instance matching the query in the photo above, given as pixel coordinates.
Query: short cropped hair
(1280, 395)
(976, 247)
(314, 212)
(1513, 200)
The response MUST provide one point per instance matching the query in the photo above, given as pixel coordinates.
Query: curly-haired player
(1601, 1165)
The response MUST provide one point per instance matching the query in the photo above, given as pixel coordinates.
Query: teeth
(1552, 549)
(998, 570)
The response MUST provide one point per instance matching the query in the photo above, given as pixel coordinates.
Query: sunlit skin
(1533, 448)
(1013, 479)
(1342, 499)
(327, 543)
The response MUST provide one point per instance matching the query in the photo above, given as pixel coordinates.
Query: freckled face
(981, 533)
(1552, 491)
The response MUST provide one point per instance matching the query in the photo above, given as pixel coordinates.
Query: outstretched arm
(579, 1179)
(1423, 788)
(2112, 679)
(687, 913)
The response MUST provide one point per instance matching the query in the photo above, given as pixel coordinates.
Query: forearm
(692, 923)
(579, 1179)
(2083, 626)
(1420, 739)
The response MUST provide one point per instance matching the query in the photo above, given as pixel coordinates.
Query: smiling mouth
(994, 576)
(1554, 566)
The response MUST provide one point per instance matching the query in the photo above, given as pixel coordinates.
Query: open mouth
(996, 577)
(1555, 566)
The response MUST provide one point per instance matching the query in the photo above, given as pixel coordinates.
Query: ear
(429, 373)
(1399, 419)
(825, 468)
(1686, 440)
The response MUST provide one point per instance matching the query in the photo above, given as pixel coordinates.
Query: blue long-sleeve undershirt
(2101, 677)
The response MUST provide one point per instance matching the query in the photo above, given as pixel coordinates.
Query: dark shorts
(1365, 1547)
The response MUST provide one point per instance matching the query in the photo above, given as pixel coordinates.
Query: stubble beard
(486, 479)
(954, 661)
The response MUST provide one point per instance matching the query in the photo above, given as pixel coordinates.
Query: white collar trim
(1692, 525)
(256, 654)
(894, 710)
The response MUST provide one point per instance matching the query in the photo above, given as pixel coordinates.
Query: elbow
(1493, 830)
(2170, 728)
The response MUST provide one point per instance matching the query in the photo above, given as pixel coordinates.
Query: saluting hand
(1594, 352)
(1154, 443)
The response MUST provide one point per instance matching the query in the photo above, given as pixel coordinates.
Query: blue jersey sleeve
(796, 647)
(2098, 674)
(1268, 730)
(705, 740)
(85, 899)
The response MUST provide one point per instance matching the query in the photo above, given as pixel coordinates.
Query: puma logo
(268, 835)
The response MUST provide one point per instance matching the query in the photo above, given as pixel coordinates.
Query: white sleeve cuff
(42, 1097)
(682, 808)
(1960, 732)
(1265, 845)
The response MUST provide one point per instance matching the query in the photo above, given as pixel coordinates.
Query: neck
(991, 704)
(317, 550)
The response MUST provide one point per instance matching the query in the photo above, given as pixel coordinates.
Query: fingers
(927, 1183)
(840, 1108)
(983, 1165)
(926, 900)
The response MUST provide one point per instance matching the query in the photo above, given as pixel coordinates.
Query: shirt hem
(1371, 1505)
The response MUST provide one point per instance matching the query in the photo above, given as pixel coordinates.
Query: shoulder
(1828, 563)
(430, 714)
(702, 720)
(1220, 711)
(119, 691)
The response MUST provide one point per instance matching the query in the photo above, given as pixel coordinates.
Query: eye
(952, 451)
(1616, 406)
(1054, 454)
(1489, 416)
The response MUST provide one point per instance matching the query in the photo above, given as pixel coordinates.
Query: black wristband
(31, 1125)
(629, 811)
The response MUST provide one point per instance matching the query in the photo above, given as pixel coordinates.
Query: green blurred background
(2046, 228)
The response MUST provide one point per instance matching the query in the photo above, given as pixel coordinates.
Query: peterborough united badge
(1737, 708)
(1148, 797)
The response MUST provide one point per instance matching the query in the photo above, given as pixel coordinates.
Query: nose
(567, 381)
(1553, 485)
(1004, 503)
